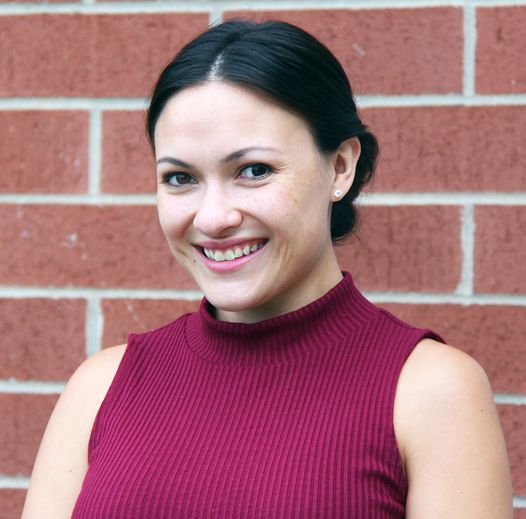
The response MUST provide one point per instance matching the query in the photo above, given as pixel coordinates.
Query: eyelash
(168, 176)
(257, 164)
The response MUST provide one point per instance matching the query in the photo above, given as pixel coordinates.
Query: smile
(232, 253)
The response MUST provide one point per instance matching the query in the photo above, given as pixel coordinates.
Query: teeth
(230, 254)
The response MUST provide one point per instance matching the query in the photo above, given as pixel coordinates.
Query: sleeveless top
(291, 417)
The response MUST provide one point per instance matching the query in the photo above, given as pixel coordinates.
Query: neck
(302, 293)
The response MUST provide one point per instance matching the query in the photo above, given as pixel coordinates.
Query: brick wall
(82, 258)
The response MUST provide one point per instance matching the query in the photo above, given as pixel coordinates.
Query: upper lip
(227, 244)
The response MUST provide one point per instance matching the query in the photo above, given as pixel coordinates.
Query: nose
(217, 213)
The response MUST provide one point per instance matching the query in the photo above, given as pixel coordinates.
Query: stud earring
(338, 193)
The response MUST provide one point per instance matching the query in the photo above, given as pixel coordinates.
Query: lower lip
(229, 265)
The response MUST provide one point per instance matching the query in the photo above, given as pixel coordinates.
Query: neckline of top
(283, 338)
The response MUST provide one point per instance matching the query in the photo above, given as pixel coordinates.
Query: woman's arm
(62, 459)
(450, 437)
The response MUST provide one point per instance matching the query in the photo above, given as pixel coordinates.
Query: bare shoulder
(61, 463)
(449, 436)
(98, 369)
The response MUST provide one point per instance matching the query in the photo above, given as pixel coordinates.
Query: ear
(344, 163)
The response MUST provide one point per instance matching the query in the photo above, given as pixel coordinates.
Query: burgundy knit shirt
(291, 417)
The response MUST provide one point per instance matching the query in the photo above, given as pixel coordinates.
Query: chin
(231, 302)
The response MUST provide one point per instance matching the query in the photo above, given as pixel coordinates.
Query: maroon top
(289, 417)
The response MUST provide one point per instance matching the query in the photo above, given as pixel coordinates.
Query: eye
(255, 171)
(178, 179)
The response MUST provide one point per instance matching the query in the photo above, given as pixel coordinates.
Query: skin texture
(446, 425)
(220, 201)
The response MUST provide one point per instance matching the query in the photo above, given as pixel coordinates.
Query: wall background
(82, 259)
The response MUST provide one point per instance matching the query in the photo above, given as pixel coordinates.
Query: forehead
(219, 112)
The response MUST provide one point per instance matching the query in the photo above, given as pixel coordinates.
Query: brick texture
(43, 151)
(450, 148)
(24, 419)
(422, 149)
(125, 316)
(110, 246)
(501, 47)
(500, 254)
(128, 165)
(405, 248)
(493, 335)
(445, 146)
(41, 338)
(11, 503)
(387, 51)
(519, 513)
(513, 419)
(90, 55)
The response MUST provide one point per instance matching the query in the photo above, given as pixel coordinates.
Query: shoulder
(61, 461)
(449, 434)
(89, 384)
(97, 370)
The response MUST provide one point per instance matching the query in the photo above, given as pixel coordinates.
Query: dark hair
(290, 67)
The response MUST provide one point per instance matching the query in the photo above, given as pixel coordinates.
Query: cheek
(173, 218)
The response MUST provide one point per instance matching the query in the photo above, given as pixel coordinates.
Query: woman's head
(292, 69)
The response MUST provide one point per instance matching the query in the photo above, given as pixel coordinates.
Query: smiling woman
(288, 394)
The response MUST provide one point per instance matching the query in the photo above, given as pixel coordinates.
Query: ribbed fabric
(286, 418)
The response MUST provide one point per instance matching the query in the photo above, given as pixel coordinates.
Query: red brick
(519, 513)
(500, 254)
(42, 339)
(125, 316)
(513, 419)
(90, 55)
(43, 152)
(501, 47)
(450, 148)
(387, 51)
(104, 246)
(491, 334)
(405, 248)
(24, 419)
(127, 164)
(11, 502)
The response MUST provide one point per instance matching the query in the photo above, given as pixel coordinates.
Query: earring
(338, 193)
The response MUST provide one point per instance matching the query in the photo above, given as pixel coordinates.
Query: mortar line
(21, 292)
(371, 199)
(73, 103)
(467, 238)
(30, 387)
(216, 16)
(410, 297)
(95, 152)
(509, 399)
(94, 325)
(470, 45)
(14, 482)
(125, 7)
(363, 100)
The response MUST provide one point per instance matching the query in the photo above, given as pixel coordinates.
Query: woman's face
(244, 201)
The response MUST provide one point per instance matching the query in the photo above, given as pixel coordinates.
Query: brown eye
(255, 171)
(178, 179)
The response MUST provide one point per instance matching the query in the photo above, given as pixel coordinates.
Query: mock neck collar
(284, 338)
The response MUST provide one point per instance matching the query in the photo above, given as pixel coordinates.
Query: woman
(287, 394)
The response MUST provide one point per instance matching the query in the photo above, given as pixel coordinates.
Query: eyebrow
(229, 158)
